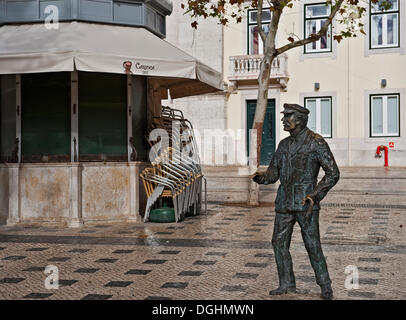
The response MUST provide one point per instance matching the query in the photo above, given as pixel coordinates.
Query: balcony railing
(247, 67)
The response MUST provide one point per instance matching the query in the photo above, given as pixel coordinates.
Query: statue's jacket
(296, 163)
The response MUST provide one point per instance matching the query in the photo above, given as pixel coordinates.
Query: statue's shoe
(326, 292)
(279, 291)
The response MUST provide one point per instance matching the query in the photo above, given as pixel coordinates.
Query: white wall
(205, 44)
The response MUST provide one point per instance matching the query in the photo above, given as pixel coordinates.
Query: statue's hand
(259, 178)
(311, 204)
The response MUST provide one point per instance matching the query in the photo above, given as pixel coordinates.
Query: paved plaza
(226, 254)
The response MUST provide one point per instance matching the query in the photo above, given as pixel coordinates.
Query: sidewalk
(224, 255)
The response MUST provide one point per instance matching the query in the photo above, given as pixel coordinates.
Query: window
(384, 115)
(45, 117)
(139, 116)
(384, 25)
(315, 16)
(7, 116)
(320, 115)
(255, 44)
(102, 117)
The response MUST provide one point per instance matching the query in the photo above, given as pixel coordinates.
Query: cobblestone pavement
(226, 254)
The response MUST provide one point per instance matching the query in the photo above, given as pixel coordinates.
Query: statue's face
(290, 121)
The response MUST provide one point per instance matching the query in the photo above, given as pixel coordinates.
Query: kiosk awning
(32, 48)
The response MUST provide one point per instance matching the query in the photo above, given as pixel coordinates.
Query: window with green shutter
(7, 116)
(102, 117)
(45, 117)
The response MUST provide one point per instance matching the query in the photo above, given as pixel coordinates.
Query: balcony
(244, 70)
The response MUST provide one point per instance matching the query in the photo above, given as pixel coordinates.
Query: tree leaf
(194, 24)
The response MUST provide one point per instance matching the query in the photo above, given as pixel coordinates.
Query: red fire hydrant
(378, 153)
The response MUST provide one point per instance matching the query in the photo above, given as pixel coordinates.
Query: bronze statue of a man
(296, 163)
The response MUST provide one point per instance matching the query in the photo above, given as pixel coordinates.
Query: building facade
(355, 89)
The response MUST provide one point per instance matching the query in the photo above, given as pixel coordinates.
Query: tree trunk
(260, 111)
(263, 83)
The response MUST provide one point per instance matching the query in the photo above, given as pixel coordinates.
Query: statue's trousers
(282, 235)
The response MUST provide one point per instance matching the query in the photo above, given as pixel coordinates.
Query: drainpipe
(349, 146)
(378, 153)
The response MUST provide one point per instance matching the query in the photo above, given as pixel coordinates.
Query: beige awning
(32, 48)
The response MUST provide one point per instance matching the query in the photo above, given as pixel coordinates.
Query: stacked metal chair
(176, 172)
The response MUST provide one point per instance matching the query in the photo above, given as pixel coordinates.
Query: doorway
(268, 130)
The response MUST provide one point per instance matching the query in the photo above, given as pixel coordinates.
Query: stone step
(227, 184)
(227, 196)
(222, 171)
(345, 172)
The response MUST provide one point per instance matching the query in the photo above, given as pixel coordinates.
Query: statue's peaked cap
(292, 107)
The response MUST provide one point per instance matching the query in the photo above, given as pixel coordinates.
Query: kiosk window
(7, 116)
(45, 117)
(102, 117)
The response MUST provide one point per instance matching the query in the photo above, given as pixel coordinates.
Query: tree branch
(259, 20)
(316, 36)
(269, 47)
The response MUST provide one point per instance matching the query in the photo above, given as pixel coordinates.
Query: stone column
(75, 189)
(134, 192)
(14, 205)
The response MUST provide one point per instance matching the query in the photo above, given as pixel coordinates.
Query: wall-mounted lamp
(316, 86)
(383, 83)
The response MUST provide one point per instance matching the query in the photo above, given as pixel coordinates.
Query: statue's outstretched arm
(272, 173)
